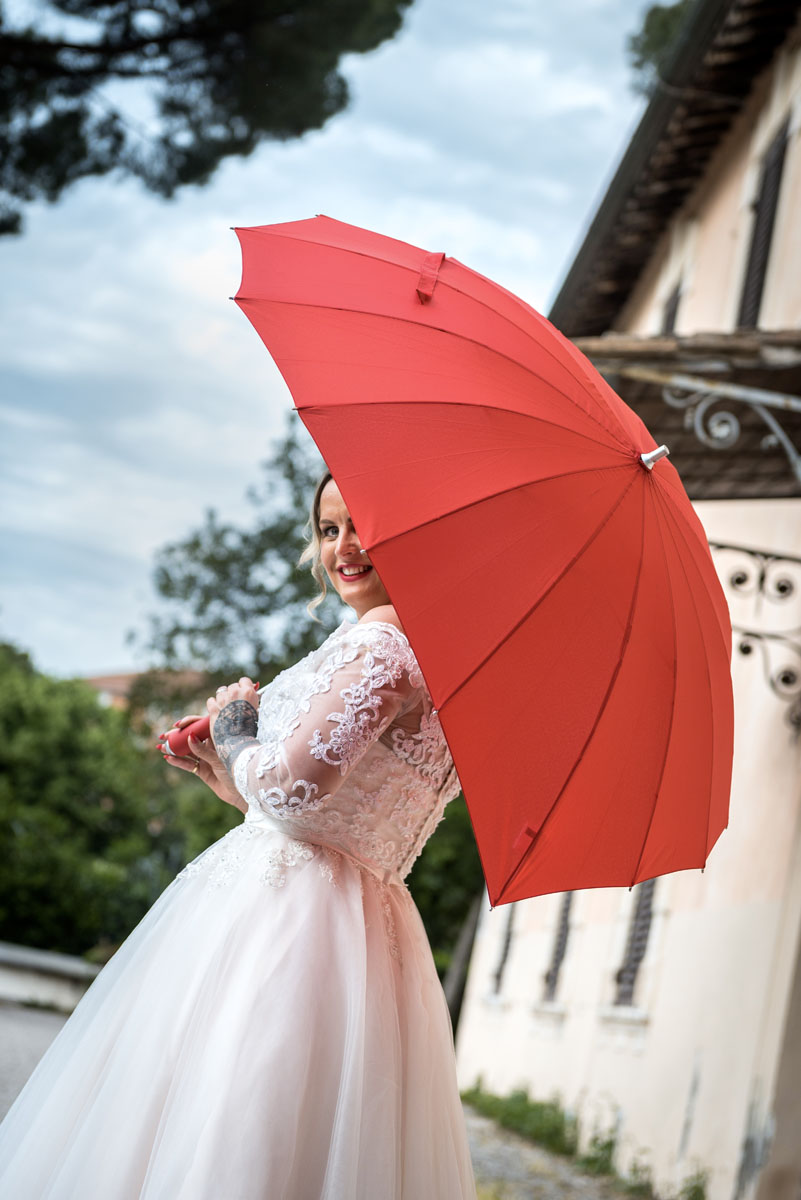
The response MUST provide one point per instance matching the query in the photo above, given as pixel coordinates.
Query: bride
(274, 1028)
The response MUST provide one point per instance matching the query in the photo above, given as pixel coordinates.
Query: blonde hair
(311, 552)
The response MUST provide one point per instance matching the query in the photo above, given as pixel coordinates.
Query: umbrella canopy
(557, 590)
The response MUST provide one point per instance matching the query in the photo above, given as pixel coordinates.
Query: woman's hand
(233, 719)
(205, 764)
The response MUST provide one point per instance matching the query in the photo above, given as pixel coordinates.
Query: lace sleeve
(367, 679)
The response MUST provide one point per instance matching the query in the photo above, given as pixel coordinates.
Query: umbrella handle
(177, 740)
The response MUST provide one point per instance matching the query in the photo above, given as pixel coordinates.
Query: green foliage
(444, 880)
(639, 1181)
(92, 826)
(543, 1122)
(649, 48)
(12, 658)
(694, 1186)
(547, 1124)
(77, 858)
(599, 1157)
(214, 78)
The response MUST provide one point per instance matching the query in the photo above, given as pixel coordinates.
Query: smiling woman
(336, 555)
(346, 564)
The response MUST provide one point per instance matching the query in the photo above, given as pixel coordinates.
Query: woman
(274, 1028)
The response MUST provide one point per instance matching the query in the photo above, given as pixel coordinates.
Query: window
(497, 975)
(765, 205)
(559, 948)
(670, 311)
(636, 944)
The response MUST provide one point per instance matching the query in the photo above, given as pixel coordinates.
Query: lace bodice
(351, 754)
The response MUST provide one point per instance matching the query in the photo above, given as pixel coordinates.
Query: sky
(134, 394)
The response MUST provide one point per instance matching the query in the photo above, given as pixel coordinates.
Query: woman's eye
(329, 529)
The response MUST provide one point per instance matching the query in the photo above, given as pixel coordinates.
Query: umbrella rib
(672, 711)
(624, 645)
(448, 333)
(510, 632)
(710, 689)
(670, 516)
(490, 496)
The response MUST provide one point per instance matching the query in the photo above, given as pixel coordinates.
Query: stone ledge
(43, 978)
(48, 962)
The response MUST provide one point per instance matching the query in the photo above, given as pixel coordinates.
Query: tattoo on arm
(234, 729)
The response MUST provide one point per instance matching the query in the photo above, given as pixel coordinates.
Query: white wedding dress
(274, 1028)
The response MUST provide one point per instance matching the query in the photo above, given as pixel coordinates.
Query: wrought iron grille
(765, 596)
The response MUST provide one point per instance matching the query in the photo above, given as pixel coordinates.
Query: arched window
(506, 942)
(559, 947)
(636, 944)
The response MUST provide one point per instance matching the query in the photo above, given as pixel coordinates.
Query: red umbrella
(557, 589)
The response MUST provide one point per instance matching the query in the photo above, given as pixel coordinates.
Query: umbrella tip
(653, 456)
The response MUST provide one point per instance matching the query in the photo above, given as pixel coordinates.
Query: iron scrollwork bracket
(769, 579)
(720, 428)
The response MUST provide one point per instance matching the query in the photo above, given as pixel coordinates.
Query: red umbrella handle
(177, 740)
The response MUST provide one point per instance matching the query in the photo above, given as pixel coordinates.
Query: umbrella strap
(428, 276)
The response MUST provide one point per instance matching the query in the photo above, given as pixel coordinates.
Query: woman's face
(350, 571)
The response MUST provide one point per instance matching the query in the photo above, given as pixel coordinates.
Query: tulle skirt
(273, 1029)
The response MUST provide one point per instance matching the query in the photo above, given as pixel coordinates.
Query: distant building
(113, 690)
(671, 1014)
(169, 690)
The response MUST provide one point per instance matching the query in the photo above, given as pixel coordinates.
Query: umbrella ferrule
(653, 456)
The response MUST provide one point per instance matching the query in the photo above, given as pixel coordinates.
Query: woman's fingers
(186, 764)
(202, 750)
